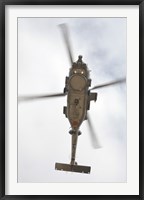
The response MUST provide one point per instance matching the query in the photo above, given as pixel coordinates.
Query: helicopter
(79, 96)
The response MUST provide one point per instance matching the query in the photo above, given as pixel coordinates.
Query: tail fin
(73, 168)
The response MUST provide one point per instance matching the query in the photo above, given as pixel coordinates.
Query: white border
(132, 185)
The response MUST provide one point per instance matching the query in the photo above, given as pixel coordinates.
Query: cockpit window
(79, 71)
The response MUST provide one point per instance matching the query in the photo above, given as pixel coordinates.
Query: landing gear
(73, 132)
(65, 90)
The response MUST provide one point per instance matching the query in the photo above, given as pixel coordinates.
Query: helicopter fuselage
(78, 94)
(78, 101)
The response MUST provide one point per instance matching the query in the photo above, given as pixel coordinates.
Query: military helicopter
(79, 95)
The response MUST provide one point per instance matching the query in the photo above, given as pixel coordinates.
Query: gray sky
(43, 64)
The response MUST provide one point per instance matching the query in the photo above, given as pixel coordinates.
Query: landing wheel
(65, 90)
(79, 133)
(73, 132)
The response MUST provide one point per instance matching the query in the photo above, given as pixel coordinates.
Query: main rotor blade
(109, 84)
(39, 97)
(93, 136)
(65, 33)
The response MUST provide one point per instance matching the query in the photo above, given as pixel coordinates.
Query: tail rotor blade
(65, 33)
(109, 84)
(93, 136)
(39, 97)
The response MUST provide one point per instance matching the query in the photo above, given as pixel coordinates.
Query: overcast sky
(43, 64)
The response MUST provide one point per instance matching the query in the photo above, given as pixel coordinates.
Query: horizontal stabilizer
(72, 168)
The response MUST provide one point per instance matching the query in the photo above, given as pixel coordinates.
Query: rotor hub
(78, 82)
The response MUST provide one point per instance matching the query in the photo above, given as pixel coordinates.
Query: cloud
(43, 64)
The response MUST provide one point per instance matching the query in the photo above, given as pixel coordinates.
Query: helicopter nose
(80, 58)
